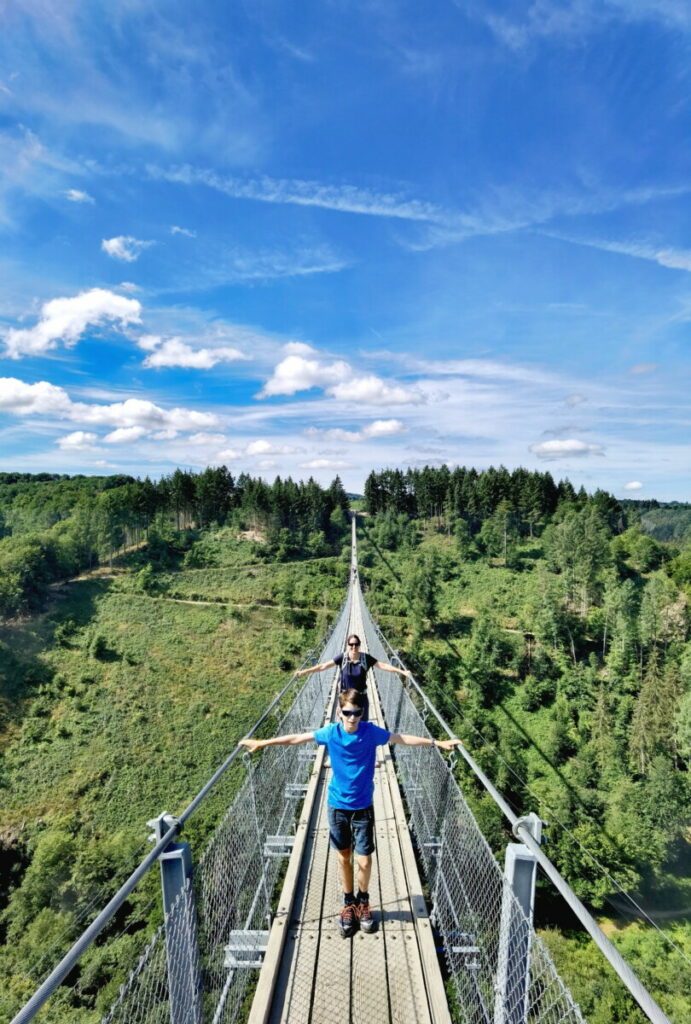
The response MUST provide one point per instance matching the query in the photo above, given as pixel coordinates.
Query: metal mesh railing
(234, 880)
(483, 930)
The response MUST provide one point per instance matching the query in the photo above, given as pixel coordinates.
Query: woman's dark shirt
(354, 673)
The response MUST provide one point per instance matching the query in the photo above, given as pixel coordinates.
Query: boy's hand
(449, 744)
(251, 745)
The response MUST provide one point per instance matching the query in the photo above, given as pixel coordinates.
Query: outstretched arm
(291, 740)
(423, 741)
(385, 667)
(315, 668)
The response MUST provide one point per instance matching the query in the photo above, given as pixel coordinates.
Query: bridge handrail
(73, 955)
(522, 832)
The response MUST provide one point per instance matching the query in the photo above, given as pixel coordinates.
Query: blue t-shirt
(354, 673)
(353, 756)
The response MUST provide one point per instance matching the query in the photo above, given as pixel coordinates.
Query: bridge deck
(310, 973)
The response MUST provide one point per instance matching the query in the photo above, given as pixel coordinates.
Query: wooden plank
(429, 962)
(268, 975)
(293, 992)
(331, 996)
(407, 991)
(406, 985)
(279, 928)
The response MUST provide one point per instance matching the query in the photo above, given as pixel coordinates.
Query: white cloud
(324, 464)
(483, 369)
(297, 373)
(139, 412)
(124, 247)
(65, 320)
(299, 348)
(176, 352)
(46, 399)
(378, 428)
(564, 449)
(124, 434)
(229, 455)
(263, 447)
(175, 230)
(76, 195)
(383, 428)
(79, 441)
(206, 440)
(128, 286)
(165, 435)
(336, 434)
(640, 368)
(266, 264)
(372, 390)
(33, 399)
(664, 256)
(633, 485)
(343, 198)
(544, 19)
(574, 400)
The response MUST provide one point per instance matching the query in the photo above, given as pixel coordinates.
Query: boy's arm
(290, 740)
(423, 741)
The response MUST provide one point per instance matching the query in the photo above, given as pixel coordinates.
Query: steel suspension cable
(521, 831)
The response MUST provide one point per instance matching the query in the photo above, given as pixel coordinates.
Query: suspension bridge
(250, 920)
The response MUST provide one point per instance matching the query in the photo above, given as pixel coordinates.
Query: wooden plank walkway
(310, 974)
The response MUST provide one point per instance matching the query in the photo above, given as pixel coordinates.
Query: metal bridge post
(513, 962)
(182, 945)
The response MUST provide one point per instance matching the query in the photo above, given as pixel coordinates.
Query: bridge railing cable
(467, 884)
(472, 906)
(193, 968)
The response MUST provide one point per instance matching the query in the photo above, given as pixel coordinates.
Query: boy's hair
(351, 697)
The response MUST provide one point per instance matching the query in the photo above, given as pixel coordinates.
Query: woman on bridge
(354, 666)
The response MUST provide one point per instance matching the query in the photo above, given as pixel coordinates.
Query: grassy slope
(130, 712)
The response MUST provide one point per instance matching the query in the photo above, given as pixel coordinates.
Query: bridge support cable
(407, 705)
(228, 876)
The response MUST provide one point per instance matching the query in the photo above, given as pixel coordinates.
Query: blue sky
(332, 236)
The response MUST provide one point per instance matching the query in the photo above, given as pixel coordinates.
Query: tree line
(53, 527)
(529, 497)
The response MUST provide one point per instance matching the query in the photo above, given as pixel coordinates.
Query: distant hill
(668, 521)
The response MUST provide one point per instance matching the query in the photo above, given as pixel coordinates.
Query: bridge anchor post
(182, 944)
(513, 962)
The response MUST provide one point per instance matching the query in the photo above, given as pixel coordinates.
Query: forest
(548, 626)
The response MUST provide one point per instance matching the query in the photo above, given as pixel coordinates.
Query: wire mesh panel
(501, 971)
(147, 997)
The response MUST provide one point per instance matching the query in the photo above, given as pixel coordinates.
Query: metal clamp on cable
(162, 824)
(532, 823)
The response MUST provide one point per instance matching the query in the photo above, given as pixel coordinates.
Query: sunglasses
(353, 644)
(351, 714)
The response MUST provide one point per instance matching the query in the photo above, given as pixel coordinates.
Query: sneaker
(367, 922)
(348, 920)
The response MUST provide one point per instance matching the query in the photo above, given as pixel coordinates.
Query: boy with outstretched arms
(352, 746)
